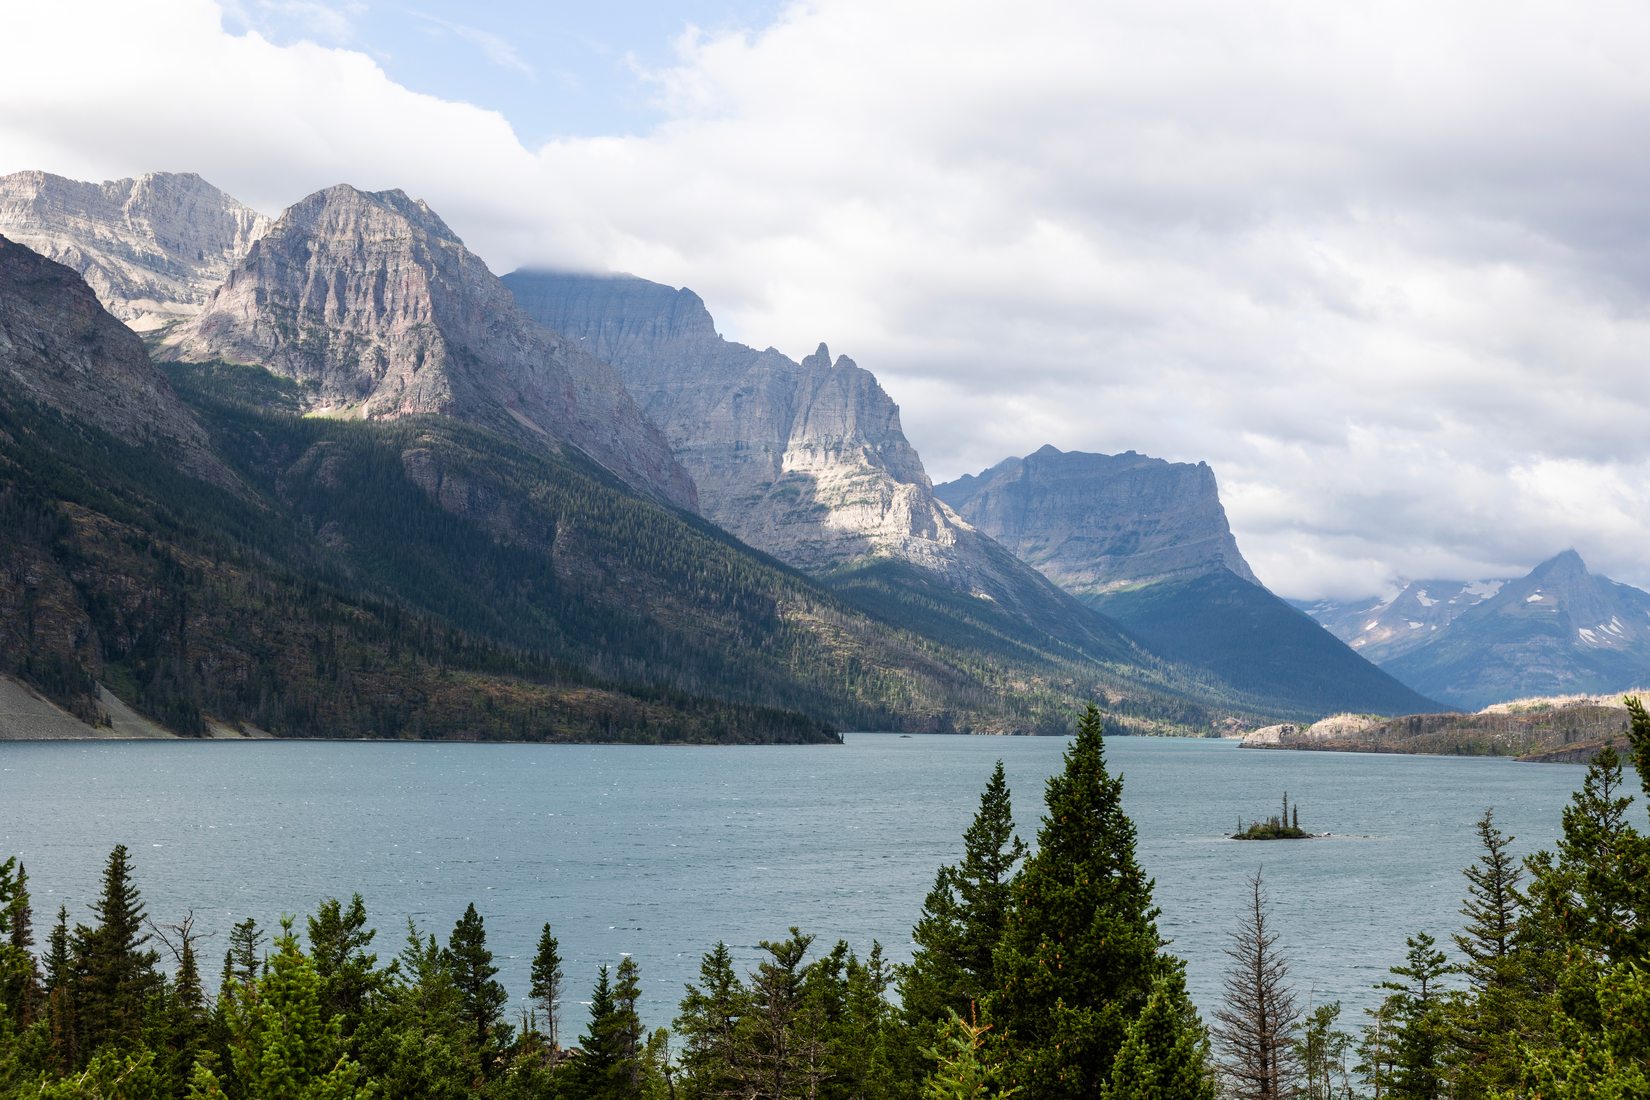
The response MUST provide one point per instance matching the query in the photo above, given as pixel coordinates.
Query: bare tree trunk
(1255, 1024)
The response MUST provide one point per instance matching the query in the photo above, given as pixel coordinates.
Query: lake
(660, 851)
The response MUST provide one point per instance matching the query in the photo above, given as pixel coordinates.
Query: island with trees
(1282, 827)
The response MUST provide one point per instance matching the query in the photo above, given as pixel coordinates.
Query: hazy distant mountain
(1147, 543)
(806, 461)
(152, 248)
(1093, 523)
(373, 305)
(1557, 631)
(1383, 629)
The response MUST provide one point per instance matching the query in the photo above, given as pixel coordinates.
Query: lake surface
(660, 851)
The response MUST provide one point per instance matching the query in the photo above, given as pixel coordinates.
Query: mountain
(377, 310)
(153, 248)
(1094, 523)
(1381, 629)
(1147, 543)
(60, 348)
(808, 462)
(427, 577)
(1559, 630)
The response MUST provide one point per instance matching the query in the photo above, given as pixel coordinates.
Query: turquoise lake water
(660, 852)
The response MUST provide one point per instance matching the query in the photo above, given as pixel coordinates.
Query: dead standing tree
(1255, 1024)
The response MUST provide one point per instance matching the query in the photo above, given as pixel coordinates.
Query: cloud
(1384, 267)
(495, 48)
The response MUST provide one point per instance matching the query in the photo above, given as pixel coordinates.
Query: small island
(1274, 828)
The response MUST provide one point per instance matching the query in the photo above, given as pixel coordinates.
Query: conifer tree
(546, 985)
(1081, 953)
(61, 995)
(708, 1024)
(1420, 1034)
(282, 1046)
(114, 971)
(338, 943)
(780, 1055)
(600, 1065)
(1488, 1023)
(481, 997)
(964, 915)
(1165, 1054)
(1255, 1024)
(1322, 1050)
(964, 1066)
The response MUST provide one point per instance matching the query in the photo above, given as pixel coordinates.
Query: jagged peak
(820, 359)
(416, 213)
(1564, 563)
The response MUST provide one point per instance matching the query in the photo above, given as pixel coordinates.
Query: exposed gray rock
(374, 306)
(153, 248)
(1094, 523)
(1382, 629)
(59, 347)
(806, 461)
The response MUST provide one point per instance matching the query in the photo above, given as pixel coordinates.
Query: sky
(1384, 267)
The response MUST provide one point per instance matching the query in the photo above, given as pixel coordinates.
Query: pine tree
(708, 1023)
(1165, 1053)
(1322, 1049)
(546, 987)
(780, 1052)
(115, 972)
(61, 995)
(282, 1046)
(1488, 1023)
(1081, 953)
(600, 1071)
(243, 962)
(963, 917)
(1420, 1034)
(481, 997)
(1256, 1022)
(338, 942)
(964, 1068)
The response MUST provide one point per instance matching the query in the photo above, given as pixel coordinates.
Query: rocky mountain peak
(59, 347)
(152, 248)
(1562, 567)
(1093, 523)
(373, 304)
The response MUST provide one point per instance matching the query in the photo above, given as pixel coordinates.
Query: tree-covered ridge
(426, 578)
(1037, 973)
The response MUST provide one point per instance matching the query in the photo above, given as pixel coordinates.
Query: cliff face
(152, 248)
(806, 461)
(1094, 523)
(59, 347)
(377, 310)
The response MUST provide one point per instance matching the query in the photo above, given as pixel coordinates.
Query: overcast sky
(1384, 267)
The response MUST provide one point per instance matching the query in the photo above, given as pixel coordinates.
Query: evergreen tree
(481, 997)
(952, 967)
(1256, 1021)
(1420, 1034)
(1081, 953)
(1165, 1053)
(338, 943)
(1488, 1023)
(243, 962)
(1321, 1050)
(546, 987)
(780, 1054)
(708, 1024)
(282, 1046)
(19, 974)
(964, 1067)
(415, 1042)
(61, 990)
(114, 971)
(1606, 1060)
(603, 1070)
(627, 1026)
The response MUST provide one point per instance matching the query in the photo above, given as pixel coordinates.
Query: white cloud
(495, 48)
(1384, 267)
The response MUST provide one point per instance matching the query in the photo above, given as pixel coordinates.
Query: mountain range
(1559, 630)
(603, 518)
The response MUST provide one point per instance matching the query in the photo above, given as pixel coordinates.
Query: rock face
(1559, 630)
(806, 461)
(375, 307)
(60, 348)
(153, 248)
(1093, 523)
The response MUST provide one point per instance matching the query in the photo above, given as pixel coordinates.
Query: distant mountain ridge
(152, 248)
(1147, 543)
(377, 310)
(1558, 630)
